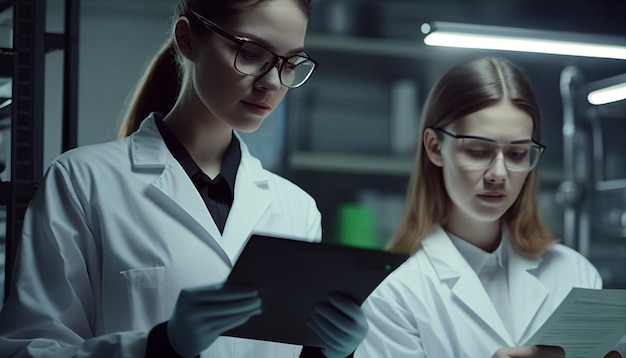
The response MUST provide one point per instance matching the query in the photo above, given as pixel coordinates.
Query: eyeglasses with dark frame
(256, 60)
(480, 152)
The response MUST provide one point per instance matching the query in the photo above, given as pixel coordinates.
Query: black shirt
(218, 193)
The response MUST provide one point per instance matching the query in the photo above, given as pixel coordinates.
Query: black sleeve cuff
(158, 344)
(315, 352)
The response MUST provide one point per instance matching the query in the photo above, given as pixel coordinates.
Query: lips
(258, 107)
(492, 197)
(492, 194)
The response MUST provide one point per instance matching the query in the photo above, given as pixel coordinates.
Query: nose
(497, 172)
(271, 79)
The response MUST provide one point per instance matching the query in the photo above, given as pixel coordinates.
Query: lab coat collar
(251, 164)
(172, 188)
(527, 293)
(476, 257)
(447, 260)
(252, 199)
(148, 150)
(453, 269)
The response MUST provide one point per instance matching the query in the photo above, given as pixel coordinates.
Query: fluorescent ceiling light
(608, 94)
(609, 90)
(523, 40)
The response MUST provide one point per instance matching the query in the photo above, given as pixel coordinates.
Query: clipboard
(292, 275)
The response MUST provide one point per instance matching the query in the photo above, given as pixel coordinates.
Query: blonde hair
(156, 91)
(465, 89)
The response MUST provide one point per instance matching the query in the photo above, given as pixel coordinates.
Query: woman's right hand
(530, 352)
(203, 313)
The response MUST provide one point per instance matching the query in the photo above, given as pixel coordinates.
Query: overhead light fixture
(608, 90)
(608, 94)
(523, 40)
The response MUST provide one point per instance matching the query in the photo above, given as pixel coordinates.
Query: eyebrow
(522, 141)
(264, 43)
(247, 37)
(491, 140)
(519, 141)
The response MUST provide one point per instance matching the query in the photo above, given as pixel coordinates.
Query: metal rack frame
(25, 63)
(582, 160)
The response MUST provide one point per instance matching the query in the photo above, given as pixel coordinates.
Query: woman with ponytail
(126, 245)
(156, 91)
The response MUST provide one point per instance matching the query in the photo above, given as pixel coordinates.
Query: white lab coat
(116, 231)
(435, 306)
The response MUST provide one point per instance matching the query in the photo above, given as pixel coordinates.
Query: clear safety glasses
(479, 152)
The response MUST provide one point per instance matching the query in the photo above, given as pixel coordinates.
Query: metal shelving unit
(24, 64)
(341, 127)
(594, 213)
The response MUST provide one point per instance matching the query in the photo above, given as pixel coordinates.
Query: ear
(184, 38)
(432, 147)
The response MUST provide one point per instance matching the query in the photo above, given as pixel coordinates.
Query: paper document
(587, 324)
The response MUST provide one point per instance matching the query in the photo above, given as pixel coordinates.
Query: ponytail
(156, 91)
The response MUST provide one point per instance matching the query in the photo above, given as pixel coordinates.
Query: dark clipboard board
(293, 275)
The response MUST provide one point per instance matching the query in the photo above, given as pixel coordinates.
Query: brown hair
(158, 89)
(465, 89)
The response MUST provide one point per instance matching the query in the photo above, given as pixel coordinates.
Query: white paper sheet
(587, 324)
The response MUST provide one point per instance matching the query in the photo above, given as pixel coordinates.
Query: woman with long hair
(485, 271)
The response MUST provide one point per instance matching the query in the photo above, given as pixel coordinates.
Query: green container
(357, 226)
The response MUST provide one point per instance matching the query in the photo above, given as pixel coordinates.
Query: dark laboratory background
(348, 136)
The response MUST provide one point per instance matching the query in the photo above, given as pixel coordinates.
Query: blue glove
(340, 323)
(203, 313)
